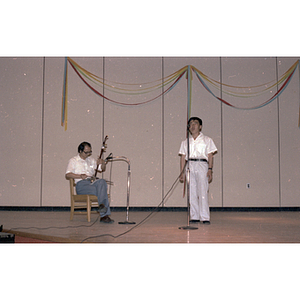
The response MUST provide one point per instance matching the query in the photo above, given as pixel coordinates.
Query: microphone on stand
(110, 156)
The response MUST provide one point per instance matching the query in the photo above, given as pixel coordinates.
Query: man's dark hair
(82, 145)
(195, 118)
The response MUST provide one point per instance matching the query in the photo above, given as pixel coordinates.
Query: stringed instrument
(103, 149)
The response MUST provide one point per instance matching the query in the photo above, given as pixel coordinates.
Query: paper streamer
(64, 110)
(171, 81)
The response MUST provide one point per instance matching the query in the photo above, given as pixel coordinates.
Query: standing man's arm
(182, 165)
(210, 167)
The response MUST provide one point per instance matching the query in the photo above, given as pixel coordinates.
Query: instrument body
(103, 149)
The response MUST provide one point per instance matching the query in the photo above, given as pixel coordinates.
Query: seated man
(82, 168)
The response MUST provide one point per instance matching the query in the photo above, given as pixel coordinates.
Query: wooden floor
(157, 227)
(242, 255)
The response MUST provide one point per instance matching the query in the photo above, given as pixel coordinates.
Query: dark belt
(198, 159)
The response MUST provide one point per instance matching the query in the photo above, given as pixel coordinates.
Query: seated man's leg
(98, 188)
(101, 193)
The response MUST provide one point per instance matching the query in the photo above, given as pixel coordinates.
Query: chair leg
(72, 210)
(88, 208)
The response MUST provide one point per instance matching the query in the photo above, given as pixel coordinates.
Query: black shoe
(106, 219)
(194, 221)
(206, 222)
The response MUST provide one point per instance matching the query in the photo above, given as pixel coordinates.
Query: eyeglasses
(89, 152)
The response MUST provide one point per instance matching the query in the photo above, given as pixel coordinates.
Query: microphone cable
(101, 235)
(147, 217)
(54, 227)
(61, 227)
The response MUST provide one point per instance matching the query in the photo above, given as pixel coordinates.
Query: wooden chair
(82, 202)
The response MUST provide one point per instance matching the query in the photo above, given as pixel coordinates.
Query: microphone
(109, 157)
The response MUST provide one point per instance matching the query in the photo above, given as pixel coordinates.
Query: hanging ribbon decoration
(64, 109)
(287, 77)
(113, 86)
(189, 105)
(189, 89)
(171, 81)
(129, 104)
(247, 90)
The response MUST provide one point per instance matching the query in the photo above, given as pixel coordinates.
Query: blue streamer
(64, 93)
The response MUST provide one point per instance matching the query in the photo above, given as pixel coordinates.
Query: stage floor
(159, 227)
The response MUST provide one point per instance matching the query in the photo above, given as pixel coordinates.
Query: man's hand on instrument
(100, 161)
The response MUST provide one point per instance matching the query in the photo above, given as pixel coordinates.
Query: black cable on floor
(55, 227)
(101, 235)
(154, 210)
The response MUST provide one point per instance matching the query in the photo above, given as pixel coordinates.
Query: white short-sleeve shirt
(199, 148)
(87, 166)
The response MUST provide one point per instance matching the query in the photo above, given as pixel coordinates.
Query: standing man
(202, 150)
(82, 168)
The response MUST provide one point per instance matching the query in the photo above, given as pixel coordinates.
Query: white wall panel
(260, 147)
(289, 137)
(209, 109)
(203, 105)
(21, 82)
(175, 117)
(84, 124)
(250, 137)
(134, 132)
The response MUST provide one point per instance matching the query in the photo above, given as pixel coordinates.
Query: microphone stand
(123, 158)
(188, 227)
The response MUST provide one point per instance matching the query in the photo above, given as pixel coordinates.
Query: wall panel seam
(222, 166)
(278, 135)
(163, 135)
(42, 132)
(103, 75)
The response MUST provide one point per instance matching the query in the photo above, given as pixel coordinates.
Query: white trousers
(199, 207)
